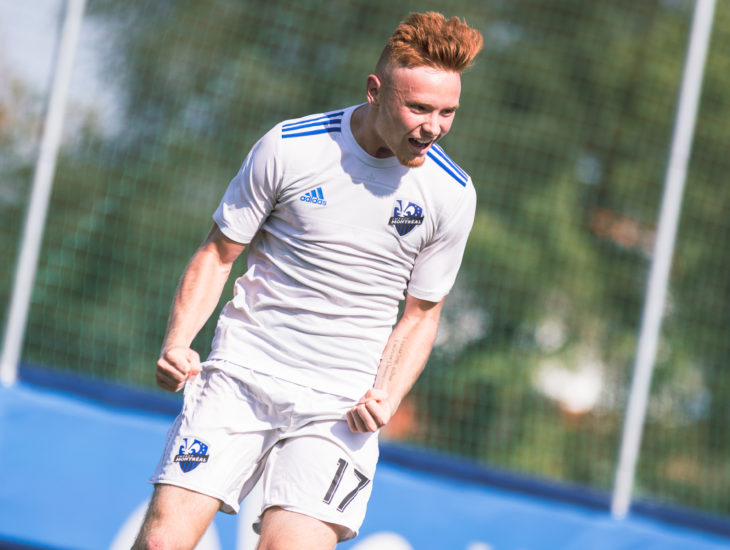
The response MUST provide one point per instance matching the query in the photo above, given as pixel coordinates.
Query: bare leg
(176, 519)
(284, 530)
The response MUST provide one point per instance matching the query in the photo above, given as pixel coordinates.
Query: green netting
(565, 127)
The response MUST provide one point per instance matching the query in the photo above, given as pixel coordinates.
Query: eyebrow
(425, 104)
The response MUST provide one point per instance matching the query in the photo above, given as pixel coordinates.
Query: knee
(176, 519)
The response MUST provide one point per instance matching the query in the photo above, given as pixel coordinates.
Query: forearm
(403, 359)
(405, 356)
(195, 300)
(197, 296)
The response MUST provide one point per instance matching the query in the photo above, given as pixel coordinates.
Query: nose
(431, 125)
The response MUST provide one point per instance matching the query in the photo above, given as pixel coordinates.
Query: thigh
(324, 471)
(283, 530)
(218, 442)
(176, 517)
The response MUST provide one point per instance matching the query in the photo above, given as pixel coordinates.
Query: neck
(362, 125)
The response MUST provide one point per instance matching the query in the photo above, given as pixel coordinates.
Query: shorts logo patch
(406, 216)
(192, 453)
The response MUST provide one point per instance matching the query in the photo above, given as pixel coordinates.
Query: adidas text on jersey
(315, 196)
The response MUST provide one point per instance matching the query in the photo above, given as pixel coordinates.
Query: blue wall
(73, 470)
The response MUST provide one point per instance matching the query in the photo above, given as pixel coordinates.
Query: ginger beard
(414, 162)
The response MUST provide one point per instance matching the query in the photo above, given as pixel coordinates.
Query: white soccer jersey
(336, 239)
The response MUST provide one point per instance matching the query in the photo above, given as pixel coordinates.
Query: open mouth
(420, 145)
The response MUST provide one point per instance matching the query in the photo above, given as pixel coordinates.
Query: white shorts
(237, 424)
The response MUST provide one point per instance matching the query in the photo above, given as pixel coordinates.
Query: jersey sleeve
(437, 264)
(252, 193)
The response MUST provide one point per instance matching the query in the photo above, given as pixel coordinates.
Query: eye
(417, 108)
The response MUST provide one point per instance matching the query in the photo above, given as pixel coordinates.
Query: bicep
(225, 249)
(416, 310)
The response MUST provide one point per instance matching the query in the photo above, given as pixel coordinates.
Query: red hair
(431, 40)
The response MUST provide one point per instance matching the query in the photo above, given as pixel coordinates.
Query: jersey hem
(230, 233)
(226, 506)
(302, 380)
(435, 297)
(349, 533)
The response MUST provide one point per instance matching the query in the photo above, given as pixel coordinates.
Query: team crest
(192, 453)
(406, 216)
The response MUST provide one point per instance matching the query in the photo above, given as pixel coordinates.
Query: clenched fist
(371, 413)
(175, 366)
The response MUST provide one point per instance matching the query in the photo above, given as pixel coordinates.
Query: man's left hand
(371, 413)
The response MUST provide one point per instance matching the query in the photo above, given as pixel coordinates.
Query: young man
(344, 214)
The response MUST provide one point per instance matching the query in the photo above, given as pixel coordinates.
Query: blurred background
(565, 126)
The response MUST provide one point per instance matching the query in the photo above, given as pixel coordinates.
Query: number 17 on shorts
(325, 471)
(362, 482)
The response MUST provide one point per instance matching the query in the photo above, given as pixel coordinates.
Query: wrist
(166, 347)
(389, 400)
(393, 404)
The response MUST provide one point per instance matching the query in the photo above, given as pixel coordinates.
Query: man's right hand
(175, 366)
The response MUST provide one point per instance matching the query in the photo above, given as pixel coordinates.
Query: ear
(373, 88)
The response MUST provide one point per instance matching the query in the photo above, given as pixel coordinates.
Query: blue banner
(74, 474)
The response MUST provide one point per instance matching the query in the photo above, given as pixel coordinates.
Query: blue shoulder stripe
(450, 162)
(312, 132)
(319, 124)
(439, 156)
(301, 125)
(325, 117)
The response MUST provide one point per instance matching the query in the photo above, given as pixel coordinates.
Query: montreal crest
(406, 216)
(191, 454)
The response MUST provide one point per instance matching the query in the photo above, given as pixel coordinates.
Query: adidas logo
(315, 196)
